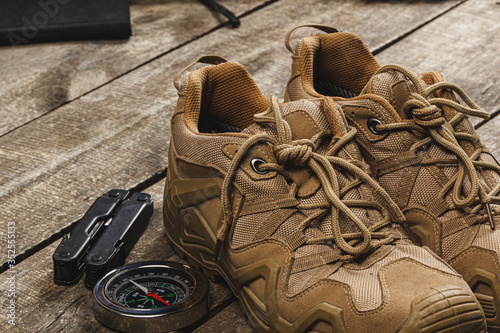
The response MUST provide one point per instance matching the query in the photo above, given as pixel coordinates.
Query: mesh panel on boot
(424, 190)
(388, 180)
(208, 149)
(341, 59)
(487, 239)
(452, 244)
(226, 92)
(248, 226)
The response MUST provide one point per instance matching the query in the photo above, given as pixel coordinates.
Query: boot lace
(428, 119)
(292, 153)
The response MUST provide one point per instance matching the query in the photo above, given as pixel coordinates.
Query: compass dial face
(150, 288)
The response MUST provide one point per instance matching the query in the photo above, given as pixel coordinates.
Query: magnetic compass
(155, 296)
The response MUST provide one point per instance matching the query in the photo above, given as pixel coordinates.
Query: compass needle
(139, 286)
(158, 298)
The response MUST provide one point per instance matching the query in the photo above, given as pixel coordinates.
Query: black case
(34, 21)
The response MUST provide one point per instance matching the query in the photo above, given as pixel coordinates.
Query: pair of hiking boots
(364, 203)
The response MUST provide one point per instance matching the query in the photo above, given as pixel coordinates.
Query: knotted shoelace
(428, 118)
(292, 153)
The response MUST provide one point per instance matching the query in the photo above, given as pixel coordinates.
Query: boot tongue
(306, 118)
(394, 87)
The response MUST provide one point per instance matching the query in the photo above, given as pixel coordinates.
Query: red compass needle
(146, 291)
(157, 297)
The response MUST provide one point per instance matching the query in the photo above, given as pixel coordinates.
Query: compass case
(110, 312)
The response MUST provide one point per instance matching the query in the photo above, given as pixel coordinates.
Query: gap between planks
(407, 33)
(485, 121)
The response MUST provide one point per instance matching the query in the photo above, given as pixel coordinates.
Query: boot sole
(445, 309)
(490, 304)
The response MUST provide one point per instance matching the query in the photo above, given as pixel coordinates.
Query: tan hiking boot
(269, 197)
(421, 148)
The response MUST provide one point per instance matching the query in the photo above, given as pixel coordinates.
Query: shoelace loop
(290, 152)
(298, 152)
(424, 113)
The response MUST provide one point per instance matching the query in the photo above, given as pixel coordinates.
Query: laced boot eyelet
(371, 123)
(255, 163)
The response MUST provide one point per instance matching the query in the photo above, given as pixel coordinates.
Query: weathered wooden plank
(117, 136)
(38, 78)
(43, 306)
(463, 45)
(490, 135)
(229, 320)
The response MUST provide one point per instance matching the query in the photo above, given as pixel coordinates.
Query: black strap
(212, 4)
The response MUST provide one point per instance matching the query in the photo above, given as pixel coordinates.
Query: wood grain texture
(117, 136)
(490, 135)
(43, 306)
(38, 78)
(463, 45)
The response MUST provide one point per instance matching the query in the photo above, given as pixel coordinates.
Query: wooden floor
(80, 118)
